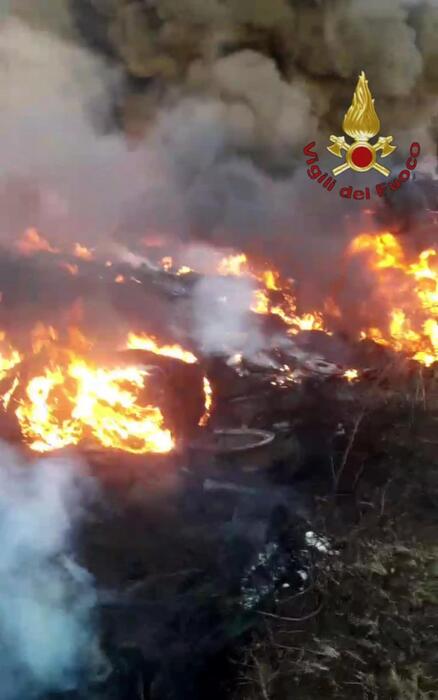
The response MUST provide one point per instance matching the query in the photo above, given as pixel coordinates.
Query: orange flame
(82, 252)
(233, 265)
(97, 402)
(9, 357)
(167, 263)
(146, 342)
(72, 269)
(284, 305)
(351, 375)
(69, 398)
(32, 242)
(208, 397)
(410, 289)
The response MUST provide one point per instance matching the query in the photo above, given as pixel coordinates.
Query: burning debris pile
(66, 388)
(218, 339)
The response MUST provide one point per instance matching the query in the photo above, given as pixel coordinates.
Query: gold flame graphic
(361, 121)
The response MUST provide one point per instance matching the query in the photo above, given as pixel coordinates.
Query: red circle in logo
(362, 156)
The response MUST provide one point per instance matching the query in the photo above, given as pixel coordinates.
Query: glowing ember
(167, 264)
(32, 242)
(119, 279)
(146, 342)
(81, 251)
(233, 265)
(351, 375)
(208, 394)
(72, 269)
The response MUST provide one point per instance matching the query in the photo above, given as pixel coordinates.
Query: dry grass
(374, 636)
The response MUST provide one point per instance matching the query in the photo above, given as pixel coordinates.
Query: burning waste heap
(67, 386)
(213, 428)
(193, 340)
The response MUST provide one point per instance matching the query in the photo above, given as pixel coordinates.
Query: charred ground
(215, 592)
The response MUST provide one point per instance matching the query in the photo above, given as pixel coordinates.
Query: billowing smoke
(197, 135)
(46, 598)
(62, 168)
(224, 97)
(263, 60)
(222, 322)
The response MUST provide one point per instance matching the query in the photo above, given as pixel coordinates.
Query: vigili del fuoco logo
(361, 124)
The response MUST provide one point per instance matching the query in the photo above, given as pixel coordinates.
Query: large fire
(96, 402)
(273, 295)
(409, 289)
(69, 398)
(63, 396)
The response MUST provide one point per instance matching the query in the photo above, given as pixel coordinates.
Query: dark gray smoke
(218, 100)
(238, 89)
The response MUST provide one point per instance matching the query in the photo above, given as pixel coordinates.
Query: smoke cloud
(221, 320)
(61, 166)
(254, 55)
(46, 599)
(215, 101)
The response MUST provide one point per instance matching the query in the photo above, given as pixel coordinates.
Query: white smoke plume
(46, 599)
(222, 323)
